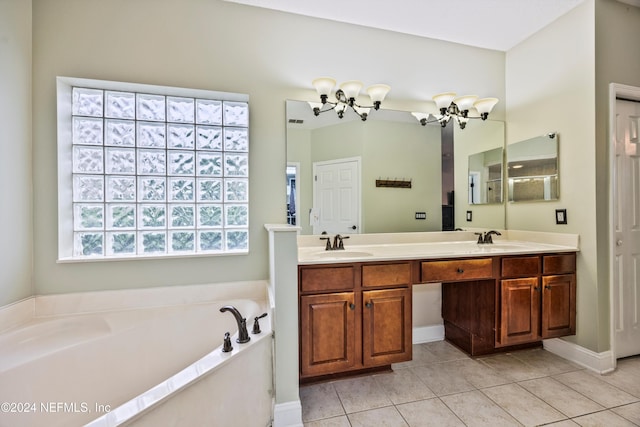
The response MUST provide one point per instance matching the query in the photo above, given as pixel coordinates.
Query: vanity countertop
(363, 248)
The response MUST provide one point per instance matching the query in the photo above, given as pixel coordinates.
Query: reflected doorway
(336, 196)
(293, 193)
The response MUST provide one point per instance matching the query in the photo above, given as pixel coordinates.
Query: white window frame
(65, 164)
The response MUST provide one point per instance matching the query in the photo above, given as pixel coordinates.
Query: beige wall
(15, 151)
(617, 29)
(211, 44)
(550, 84)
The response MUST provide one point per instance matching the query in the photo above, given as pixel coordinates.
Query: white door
(336, 196)
(626, 270)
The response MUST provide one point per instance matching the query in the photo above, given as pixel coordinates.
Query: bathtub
(148, 364)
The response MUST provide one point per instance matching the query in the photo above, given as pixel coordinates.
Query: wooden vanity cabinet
(357, 316)
(499, 303)
(538, 305)
(354, 317)
(328, 333)
(386, 327)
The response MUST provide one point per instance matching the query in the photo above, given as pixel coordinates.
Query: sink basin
(342, 254)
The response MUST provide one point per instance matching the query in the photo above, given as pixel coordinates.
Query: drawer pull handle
(368, 305)
(460, 270)
(352, 306)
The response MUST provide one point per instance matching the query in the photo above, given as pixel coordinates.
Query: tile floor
(443, 387)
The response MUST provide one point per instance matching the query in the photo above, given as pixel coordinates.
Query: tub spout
(243, 334)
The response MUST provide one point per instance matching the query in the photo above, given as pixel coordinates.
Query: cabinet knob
(537, 288)
(352, 306)
(547, 286)
(368, 305)
(460, 270)
(619, 242)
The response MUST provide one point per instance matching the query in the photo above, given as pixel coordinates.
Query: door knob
(353, 227)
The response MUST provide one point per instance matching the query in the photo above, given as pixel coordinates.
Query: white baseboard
(597, 362)
(424, 334)
(288, 414)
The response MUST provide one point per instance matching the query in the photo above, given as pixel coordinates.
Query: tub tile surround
(40, 306)
(16, 314)
(157, 398)
(118, 310)
(526, 387)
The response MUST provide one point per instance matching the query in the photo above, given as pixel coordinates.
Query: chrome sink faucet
(486, 238)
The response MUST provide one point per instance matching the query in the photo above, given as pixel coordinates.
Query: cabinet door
(327, 333)
(558, 305)
(386, 324)
(519, 311)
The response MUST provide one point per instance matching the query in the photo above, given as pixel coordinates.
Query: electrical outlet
(421, 215)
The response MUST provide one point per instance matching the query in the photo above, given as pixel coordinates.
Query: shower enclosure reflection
(532, 168)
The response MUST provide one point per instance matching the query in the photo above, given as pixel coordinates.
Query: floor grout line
(449, 357)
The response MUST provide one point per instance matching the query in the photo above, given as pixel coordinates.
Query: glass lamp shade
(465, 103)
(443, 100)
(351, 88)
(420, 116)
(378, 92)
(431, 108)
(324, 85)
(485, 105)
(340, 108)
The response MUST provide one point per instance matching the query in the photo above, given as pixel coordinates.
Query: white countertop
(363, 248)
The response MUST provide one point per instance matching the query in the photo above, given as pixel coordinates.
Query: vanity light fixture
(346, 97)
(451, 106)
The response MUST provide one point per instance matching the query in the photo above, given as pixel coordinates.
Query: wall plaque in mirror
(532, 169)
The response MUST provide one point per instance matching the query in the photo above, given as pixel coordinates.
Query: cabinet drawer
(386, 274)
(559, 264)
(327, 278)
(455, 270)
(521, 266)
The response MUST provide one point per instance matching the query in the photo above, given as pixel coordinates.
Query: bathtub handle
(256, 324)
(227, 347)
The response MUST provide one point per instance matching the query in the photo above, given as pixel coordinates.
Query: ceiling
(490, 24)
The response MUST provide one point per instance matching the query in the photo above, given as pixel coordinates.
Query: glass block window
(157, 174)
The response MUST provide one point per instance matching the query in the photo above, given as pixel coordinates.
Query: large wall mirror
(386, 172)
(532, 169)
